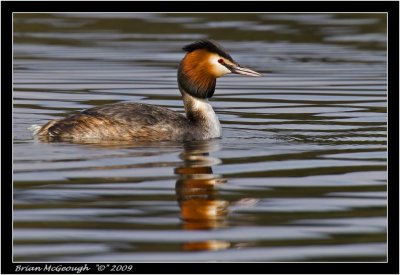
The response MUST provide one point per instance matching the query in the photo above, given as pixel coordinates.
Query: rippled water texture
(299, 175)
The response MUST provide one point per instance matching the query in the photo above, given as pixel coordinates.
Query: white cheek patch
(217, 67)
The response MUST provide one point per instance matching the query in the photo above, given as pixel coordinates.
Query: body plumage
(204, 62)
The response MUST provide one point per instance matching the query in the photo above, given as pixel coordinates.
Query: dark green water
(299, 175)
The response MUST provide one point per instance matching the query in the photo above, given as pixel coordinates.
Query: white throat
(204, 110)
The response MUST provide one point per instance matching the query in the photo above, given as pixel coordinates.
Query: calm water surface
(299, 175)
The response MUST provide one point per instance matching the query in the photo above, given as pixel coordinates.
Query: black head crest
(210, 46)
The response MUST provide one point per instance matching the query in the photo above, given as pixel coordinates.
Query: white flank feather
(35, 129)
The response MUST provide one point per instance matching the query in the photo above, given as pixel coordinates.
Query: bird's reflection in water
(197, 194)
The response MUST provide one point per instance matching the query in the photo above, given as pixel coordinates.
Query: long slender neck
(201, 115)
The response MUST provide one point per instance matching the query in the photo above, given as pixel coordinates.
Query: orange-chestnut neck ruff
(195, 75)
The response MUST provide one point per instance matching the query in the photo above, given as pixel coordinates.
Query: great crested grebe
(203, 63)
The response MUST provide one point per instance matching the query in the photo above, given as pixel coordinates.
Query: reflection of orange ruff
(206, 245)
(193, 170)
(203, 213)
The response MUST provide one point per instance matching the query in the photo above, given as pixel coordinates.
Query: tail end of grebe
(35, 129)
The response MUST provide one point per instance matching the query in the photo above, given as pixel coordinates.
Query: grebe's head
(204, 62)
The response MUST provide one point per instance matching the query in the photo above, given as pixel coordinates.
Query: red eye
(220, 60)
